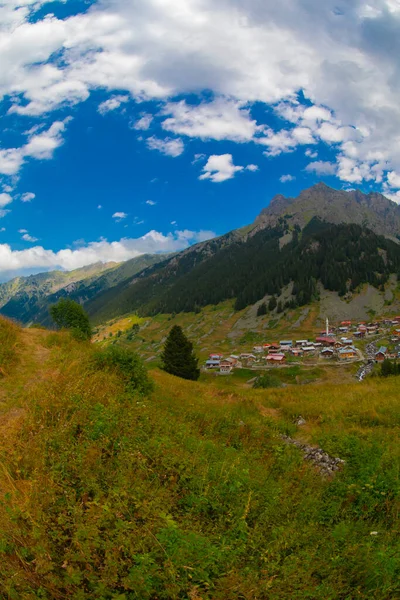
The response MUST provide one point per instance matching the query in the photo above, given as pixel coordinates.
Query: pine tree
(272, 303)
(178, 357)
(262, 310)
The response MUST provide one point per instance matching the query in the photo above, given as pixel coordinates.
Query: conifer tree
(178, 357)
(262, 310)
(272, 303)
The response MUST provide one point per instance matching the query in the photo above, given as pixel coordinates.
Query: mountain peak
(372, 210)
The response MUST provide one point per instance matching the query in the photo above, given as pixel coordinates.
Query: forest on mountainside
(341, 257)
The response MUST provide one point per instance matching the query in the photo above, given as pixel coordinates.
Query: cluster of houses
(332, 344)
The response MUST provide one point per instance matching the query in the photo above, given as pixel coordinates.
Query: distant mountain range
(28, 299)
(324, 236)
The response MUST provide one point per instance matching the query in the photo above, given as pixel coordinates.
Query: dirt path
(31, 368)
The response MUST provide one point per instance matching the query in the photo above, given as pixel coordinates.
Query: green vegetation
(68, 314)
(266, 381)
(341, 257)
(9, 337)
(262, 310)
(190, 492)
(126, 363)
(389, 367)
(178, 357)
(28, 299)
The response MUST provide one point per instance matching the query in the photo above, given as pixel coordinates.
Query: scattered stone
(322, 460)
(300, 421)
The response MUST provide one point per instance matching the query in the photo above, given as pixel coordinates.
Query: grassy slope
(190, 493)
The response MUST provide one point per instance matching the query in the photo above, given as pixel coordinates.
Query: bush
(266, 381)
(68, 314)
(126, 363)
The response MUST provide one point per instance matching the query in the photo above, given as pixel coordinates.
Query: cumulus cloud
(286, 178)
(151, 202)
(311, 153)
(119, 216)
(112, 104)
(29, 238)
(168, 146)
(28, 197)
(221, 119)
(143, 124)
(344, 62)
(320, 167)
(220, 167)
(38, 258)
(5, 199)
(40, 146)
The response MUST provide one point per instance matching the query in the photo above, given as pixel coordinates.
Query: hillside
(324, 240)
(27, 299)
(191, 491)
(340, 257)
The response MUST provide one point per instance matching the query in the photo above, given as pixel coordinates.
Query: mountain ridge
(373, 210)
(146, 282)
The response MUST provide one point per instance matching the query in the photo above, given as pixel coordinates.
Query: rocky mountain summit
(372, 210)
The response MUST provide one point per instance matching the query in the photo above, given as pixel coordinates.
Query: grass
(189, 492)
(9, 338)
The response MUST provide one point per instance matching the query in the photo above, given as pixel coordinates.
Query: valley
(274, 475)
(198, 489)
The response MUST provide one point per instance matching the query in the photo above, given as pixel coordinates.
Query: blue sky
(130, 126)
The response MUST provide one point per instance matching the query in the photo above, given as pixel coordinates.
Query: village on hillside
(340, 344)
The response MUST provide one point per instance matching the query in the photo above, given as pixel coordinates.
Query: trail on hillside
(32, 367)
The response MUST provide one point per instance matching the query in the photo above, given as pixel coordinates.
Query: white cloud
(344, 62)
(99, 207)
(220, 168)
(311, 153)
(221, 119)
(29, 238)
(11, 160)
(320, 167)
(39, 258)
(5, 199)
(394, 179)
(112, 104)
(278, 142)
(252, 168)
(286, 178)
(143, 124)
(151, 202)
(168, 146)
(198, 157)
(40, 146)
(119, 216)
(22, 231)
(28, 197)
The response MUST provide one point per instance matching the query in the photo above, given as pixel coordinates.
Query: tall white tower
(327, 326)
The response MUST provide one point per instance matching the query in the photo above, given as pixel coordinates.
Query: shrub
(70, 315)
(266, 381)
(128, 364)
